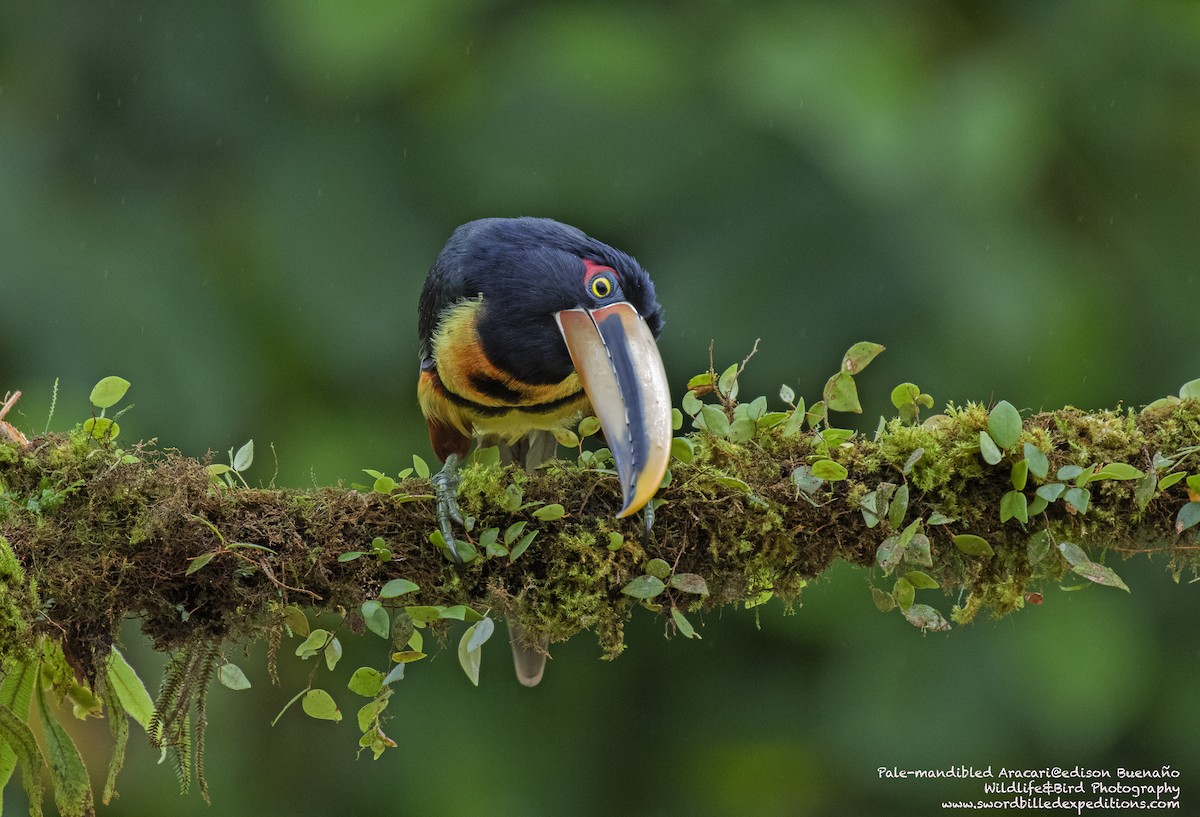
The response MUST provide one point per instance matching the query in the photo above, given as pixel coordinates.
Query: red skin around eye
(592, 269)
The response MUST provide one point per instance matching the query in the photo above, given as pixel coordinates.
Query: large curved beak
(622, 373)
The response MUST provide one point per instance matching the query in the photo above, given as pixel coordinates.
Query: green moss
(18, 607)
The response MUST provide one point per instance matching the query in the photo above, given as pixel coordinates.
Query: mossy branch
(103, 533)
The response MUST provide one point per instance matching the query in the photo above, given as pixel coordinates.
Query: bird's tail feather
(529, 656)
(531, 451)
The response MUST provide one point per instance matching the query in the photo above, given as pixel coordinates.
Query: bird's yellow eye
(601, 287)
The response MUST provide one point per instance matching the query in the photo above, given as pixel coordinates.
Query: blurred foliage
(233, 205)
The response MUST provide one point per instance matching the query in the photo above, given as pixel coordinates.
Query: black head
(526, 270)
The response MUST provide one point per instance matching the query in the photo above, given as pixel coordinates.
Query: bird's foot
(445, 483)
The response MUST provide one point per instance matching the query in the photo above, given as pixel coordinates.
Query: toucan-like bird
(527, 324)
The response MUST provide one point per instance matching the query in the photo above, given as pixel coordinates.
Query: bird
(526, 325)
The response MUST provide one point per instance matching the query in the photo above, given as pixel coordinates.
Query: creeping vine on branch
(980, 502)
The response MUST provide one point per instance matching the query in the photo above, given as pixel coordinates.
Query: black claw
(649, 517)
(445, 482)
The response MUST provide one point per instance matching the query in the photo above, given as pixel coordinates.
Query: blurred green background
(234, 204)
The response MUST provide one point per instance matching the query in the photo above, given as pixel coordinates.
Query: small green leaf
(218, 468)
(407, 656)
(869, 510)
(1143, 492)
(988, 449)
(588, 426)
(319, 704)
(72, 789)
(1187, 517)
(129, 688)
(1039, 546)
(742, 429)
(889, 553)
(683, 624)
(727, 382)
(816, 414)
(1068, 472)
(795, 420)
(691, 404)
(101, 428)
(658, 568)
(615, 540)
(1014, 505)
(904, 593)
(682, 449)
(1051, 491)
(109, 391)
(905, 394)
(231, 675)
(244, 457)
(940, 519)
(973, 545)
(841, 394)
(859, 356)
(397, 587)
(366, 682)
(912, 460)
(480, 631)
(1037, 505)
(1077, 498)
(198, 562)
(803, 479)
(1004, 424)
(882, 600)
(644, 587)
(333, 653)
(726, 481)
(521, 546)
(787, 394)
(918, 551)
(513, 531)
(566, 437)
(921, 581)
(1039, 466)
(676, 419)
(690, 583)
(906, 535)
(1190, 390)
(714, 421)
(701, 380)
(927, 618)
(829, 470)
(1020, 474)
(470, 659)
(1073, 553)
(1099, 574)
(384, 485)
(461, 612)
(1117, 470)
(420, 467)
(375, 616)
(350, 555)
(1170, 479)
(898, 507)
(295, 619)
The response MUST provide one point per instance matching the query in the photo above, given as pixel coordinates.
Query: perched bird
(526, 324)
